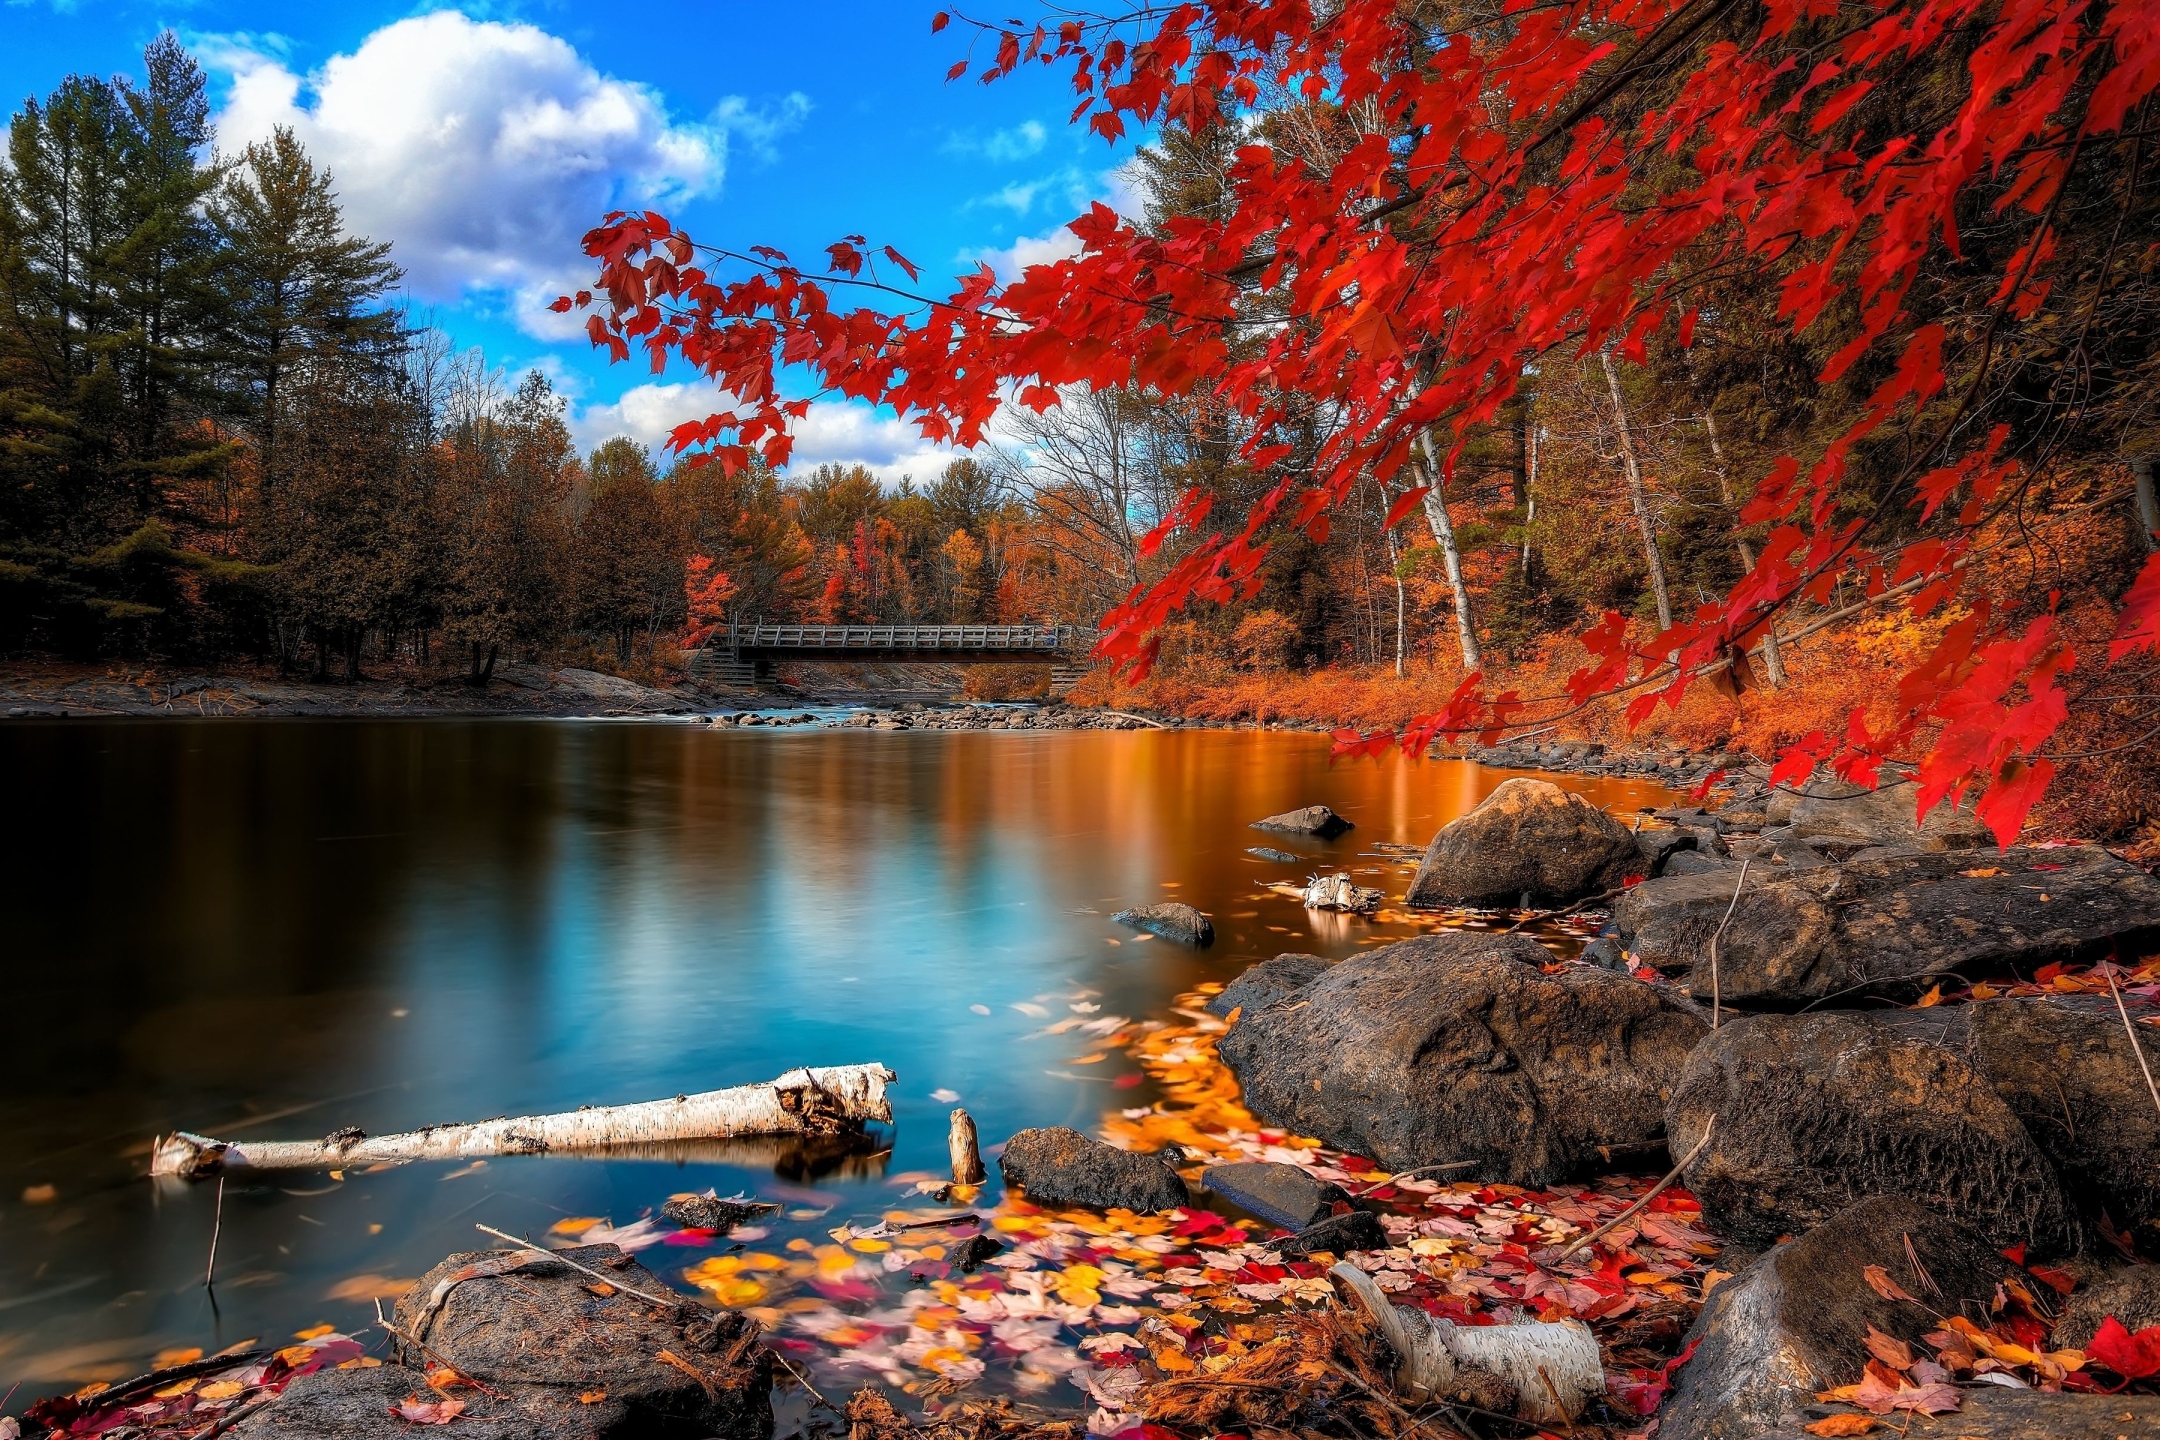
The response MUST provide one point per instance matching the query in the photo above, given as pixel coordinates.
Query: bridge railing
(1046, 639)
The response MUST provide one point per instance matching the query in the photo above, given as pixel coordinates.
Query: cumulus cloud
(1004, 146)
(483, 150)
(834, 432)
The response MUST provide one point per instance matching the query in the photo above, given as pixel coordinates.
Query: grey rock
(1795, 1322)
(1312, 820)
(1893, 923)
(1605, 953)
(1459, 1047)
(711, 1212)
(1696, 862)
(1267, 982)
(1996, 1412)
(1814, 1113)
(1060, 1166)
(2130, 1293)
(1659, 846)
(1172, 920)
(1285, 1195)
(1832, 809)
(1527, 838)
(1267, 852)
(1336, 1235)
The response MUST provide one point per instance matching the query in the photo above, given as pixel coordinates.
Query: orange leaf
(1848, 1423)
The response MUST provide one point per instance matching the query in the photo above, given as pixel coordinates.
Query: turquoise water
(274, 929)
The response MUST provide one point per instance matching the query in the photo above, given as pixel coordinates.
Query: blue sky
(483, 141)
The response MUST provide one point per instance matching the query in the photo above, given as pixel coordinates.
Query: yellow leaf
(220, 1390)
(1933, 997)
(870, 1247)
(179, 1388)
(179, 1355)
(1175, 1362)
(361, 1362)
(1841, 1425)
(314, 1332)
(592, 1397)
(575, 1224)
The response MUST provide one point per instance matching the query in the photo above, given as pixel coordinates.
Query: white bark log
(801, 1102)
(1444, 531)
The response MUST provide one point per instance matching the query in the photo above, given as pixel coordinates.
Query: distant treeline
(220, 435)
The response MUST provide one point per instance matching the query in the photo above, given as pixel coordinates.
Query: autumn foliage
(1889, 180)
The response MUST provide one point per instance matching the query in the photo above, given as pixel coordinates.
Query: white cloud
(834, 432)
(1004, 146)
(1119, 189)
(483, 150)
(1029, 250)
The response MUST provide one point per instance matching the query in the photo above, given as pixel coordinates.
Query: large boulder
(1314, 820)
(1995, 1412)
(2131, 1294)
(1796, 1321)
(1529, 838)
(1808, 1114)
(1459, 1047)
(1891, 923)
(2065, 1067)
(1267, 982)
(532, 1326)
(1060, 1166)
(1172, 920)
(1843, 815)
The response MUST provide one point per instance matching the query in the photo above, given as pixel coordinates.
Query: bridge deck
(974, 641)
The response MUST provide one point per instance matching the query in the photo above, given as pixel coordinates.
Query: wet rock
(355, 1405)
(1996, 1412)
(1817, 1112)
(1659, 846)
(1893, 923)
(1795, 1322)
(1528, 838)
(538, 1330)
(1285, 1195)
(1605, 953)
(970, 1254)
(1336, 1235)
(1268, 852)
(1267, 982)
(2131, 1294)
(1060, 1166)
(710, 1212)
(1459, 1047)
(1828, 808)
(1172, 920)
(1696, 862)
(1315, 820)
(2064, 1065)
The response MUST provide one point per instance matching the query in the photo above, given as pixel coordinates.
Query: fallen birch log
(823, 1101)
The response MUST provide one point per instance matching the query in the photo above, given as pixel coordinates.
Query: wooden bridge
(750, 654)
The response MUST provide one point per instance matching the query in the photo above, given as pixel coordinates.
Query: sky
(483, 141)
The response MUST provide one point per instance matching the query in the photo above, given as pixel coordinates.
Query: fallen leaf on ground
(422, 1412)
(592, 1397)
(1879, 1281)
(1839, 1425)
(2132, 1356)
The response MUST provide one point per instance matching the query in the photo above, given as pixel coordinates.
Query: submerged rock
(1312, 820)
(1890, 921)
(1529, 838)
(1336, 1235)
(1814, 1113)
(1285, 1195)
(1459, 1047)
(1267, 982)
(1172, 920)
(711, 1212)
(1795, 1322)
(1060, 1166)
(1269, 852)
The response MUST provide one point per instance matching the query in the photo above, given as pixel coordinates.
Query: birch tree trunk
(1444, 532)
(1773, 661)
(801, 1102)
(1636, 497)
(1394, 557)
(1536, 443)
(2148, 508)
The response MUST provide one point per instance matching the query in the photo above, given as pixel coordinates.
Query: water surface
(274, 929)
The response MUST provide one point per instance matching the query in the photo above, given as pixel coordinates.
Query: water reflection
(275, 929)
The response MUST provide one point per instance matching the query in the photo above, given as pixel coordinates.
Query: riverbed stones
(1996, 1412)
(1835, 811)
(1285, 1195)
(1795, 1322)
(1809, 1114)
(1459, 1047)
(543, 1333)
(1890, 923)
(1267, 982)
(1060, 1166)
(1172, 920)
(1315, 820)
(1527, 842)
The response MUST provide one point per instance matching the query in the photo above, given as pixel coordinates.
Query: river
(276, 929)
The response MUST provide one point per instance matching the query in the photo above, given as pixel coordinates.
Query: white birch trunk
(1444, 532)
(1636, 496)
(801, 1102)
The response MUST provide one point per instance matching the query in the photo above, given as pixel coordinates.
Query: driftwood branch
(801, 1102)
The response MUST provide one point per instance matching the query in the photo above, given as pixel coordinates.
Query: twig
(804, 1381)
(1656, 1190)
(1421, 1170)
(673, 1304)
(441, 1360)
(217, 1223)
(1554, 1391)
(1556, 914)
(1716, 997)
(2136, 1048)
